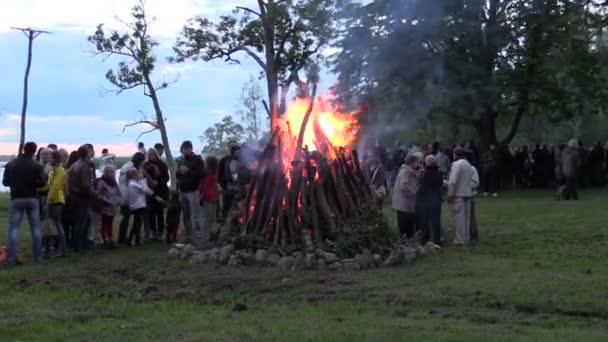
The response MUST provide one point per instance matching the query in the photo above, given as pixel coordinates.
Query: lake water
(2, 188)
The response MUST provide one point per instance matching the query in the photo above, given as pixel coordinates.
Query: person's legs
(473, 223)
(196, 213)
(210, 217)
(435, 223)
(124, 224)
(82, 222)
(460, 226)
(16, 209)
(55, 213)
(135, 234)
(186, 234)
(401, 222)
(160, 221)
(33, 216)
(424, 223)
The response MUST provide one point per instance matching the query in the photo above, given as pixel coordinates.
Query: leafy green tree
(217, 137)
(136, 48)
(282, 36)
(252, 113)
(484, 63)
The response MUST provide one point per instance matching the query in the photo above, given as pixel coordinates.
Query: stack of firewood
(305, 205)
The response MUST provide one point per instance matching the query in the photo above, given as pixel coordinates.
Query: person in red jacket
(209, 192)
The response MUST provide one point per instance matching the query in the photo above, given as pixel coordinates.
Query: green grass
(539, 273)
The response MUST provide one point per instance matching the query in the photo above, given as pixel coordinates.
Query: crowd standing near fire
(70, 209)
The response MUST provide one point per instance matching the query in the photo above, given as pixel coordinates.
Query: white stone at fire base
(225, 253)
(285, 263)
(311, 260)
(173, 252)
(261, 256)
(273, 259)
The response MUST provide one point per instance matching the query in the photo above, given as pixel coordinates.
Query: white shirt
(137, 191)
(461, 179)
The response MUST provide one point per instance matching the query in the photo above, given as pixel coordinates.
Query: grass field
(539, 273)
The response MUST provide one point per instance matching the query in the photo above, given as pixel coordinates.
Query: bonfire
(310, 190)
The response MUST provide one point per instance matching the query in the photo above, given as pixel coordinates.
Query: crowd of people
(71, 209)
(420, 178)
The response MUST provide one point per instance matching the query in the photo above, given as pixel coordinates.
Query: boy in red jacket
(209, 192)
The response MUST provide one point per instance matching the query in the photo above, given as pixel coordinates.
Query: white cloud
(57, 15)
(67, 119)
(7, 132)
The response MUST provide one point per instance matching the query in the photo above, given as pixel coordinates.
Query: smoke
(388, 64)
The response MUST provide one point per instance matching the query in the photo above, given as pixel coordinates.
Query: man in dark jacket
(81, 193)
(190, 171)
(224, 178)
(24, 176)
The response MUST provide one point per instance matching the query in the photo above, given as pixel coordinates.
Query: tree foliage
(217, 137)
(136, 47)
(252, 112)
(483, 63)
(282, 36)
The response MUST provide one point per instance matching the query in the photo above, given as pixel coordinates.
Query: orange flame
(336, 127)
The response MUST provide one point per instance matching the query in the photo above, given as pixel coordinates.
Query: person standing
(571, 164)
(404, 197)
(108, 190)
(429, 201)
(157, 173)
(24, 176)
(490, 172)
(225, 178)
(56, 197)
(81, 193)
(460, 191)
(189, 174)
(136, 163)
(377, 181)
(209, 192)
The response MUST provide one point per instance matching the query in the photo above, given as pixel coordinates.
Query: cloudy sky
(66, 82)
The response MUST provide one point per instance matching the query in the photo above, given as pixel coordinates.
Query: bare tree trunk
(30, 43)
(163, 131)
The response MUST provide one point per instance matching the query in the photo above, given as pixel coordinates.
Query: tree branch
(255, 57)
(246, 9)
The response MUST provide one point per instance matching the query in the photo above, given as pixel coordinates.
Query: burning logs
(310, 192)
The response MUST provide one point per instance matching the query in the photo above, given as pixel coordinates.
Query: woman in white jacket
(137, 189)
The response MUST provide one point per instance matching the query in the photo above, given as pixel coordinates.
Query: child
(56, 197)
(136, 199)
(209, 195)
(49, 233)
(110, 195)
(174, 209)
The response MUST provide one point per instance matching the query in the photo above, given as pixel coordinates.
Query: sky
(68, 99)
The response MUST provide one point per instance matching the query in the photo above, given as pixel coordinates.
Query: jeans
(17, 207)
(82, 223)
(55, 213)
(192, 216)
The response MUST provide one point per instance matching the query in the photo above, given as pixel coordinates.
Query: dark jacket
(79, 179)
(190, 181)
(159, 173)
(222, 175)
(24, 176)
(431, 187)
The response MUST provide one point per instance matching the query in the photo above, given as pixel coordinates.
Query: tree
(31, 35)
(217, 137)
(136, 47)
(282, 36)
(484, 63)
(252, 112)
